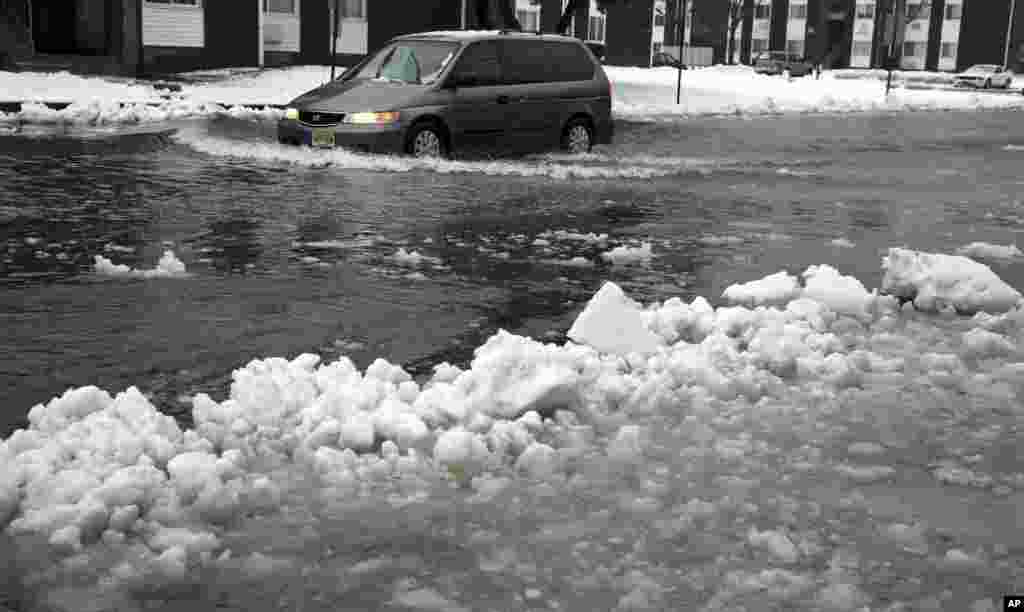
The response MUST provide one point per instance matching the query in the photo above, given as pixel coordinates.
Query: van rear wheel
(578, 137)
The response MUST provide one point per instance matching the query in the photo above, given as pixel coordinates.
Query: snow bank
(650, 94)
(638, 93)
(169, 266)
(937, 281)
(100, 472)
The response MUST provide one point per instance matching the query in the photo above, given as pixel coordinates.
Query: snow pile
(100, 473)
(413, 258)
(622, 255)
(937, 281)
(169, 266)
(269, 86)
(986, 250)
(109, 112)
(67, 87)
(650, 94)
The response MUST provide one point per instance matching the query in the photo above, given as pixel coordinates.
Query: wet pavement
(289, 253)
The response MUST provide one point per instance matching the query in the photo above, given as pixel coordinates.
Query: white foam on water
(340, 158)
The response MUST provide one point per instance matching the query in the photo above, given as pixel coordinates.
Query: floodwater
(291, 251)
(294, 256)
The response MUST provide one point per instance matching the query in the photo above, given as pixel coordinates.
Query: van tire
(427, 140)
(578, 136)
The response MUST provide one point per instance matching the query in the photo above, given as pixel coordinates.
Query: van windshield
(409, 61)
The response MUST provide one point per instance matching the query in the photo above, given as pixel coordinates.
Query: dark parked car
(780, 62)
(436, 93)
(666, 59)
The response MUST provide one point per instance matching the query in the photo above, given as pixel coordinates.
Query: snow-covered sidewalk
(639, 93)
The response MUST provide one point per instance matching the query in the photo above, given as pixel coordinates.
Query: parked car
(666, 59)
(437, 93)
(984, 76)
(781, 62)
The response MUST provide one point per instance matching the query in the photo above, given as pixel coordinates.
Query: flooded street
(297, 256)
(712, 478)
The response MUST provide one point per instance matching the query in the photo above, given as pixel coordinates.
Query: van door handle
(503, 99)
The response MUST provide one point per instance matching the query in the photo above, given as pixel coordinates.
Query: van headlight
(371, 118)
(292, 113)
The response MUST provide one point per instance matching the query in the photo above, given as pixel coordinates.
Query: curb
(15, 107)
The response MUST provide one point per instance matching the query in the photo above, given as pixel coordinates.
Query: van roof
(470, 35)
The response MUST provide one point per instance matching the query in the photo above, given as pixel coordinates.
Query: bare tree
(736, 15)
(575, 5)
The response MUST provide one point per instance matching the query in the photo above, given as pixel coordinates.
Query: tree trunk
(563, 22)
(508, 11)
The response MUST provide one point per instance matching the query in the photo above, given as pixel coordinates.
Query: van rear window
(544, 61)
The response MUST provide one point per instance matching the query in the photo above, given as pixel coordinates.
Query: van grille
(320, 118)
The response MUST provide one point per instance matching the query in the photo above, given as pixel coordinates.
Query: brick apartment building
(139, 36)
(920, 34)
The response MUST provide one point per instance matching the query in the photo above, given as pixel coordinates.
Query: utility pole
(334, 38)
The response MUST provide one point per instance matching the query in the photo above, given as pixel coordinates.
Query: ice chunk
(613, 323)
(621, 255)
(777, 288)
(775, 542)
(934, 281)
(842, 294)
(426, 599)
(983, 344)
(628, 445)
(460, 449)
(538, 460)
(987, 250)
(169, 266)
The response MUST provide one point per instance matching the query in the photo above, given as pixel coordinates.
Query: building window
(913, 49)
(529, 20)
(798, 11)
(915, 11)
(656, 48)
(795, 48)
(351, 9)
(758, 45)
(596, 30)
(865, 11)
(185, 2)
(954, 11)
(279, 6)
(659, 17)
(762, 11)
(949, 50)
(861, 48)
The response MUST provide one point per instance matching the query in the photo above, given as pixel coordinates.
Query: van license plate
(323, 137)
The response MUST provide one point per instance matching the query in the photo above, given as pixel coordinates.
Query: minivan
(435, 94)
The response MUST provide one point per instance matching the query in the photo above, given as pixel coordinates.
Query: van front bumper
(369, 138)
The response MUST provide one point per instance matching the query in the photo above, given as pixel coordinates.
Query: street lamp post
(679, 41)
(1009, 31)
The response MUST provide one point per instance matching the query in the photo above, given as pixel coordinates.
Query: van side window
(535, 61)
(480, 61)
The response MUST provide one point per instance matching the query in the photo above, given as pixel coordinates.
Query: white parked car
(984, 76)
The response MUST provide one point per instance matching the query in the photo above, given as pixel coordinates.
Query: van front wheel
(578, 137)
(426, 141)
